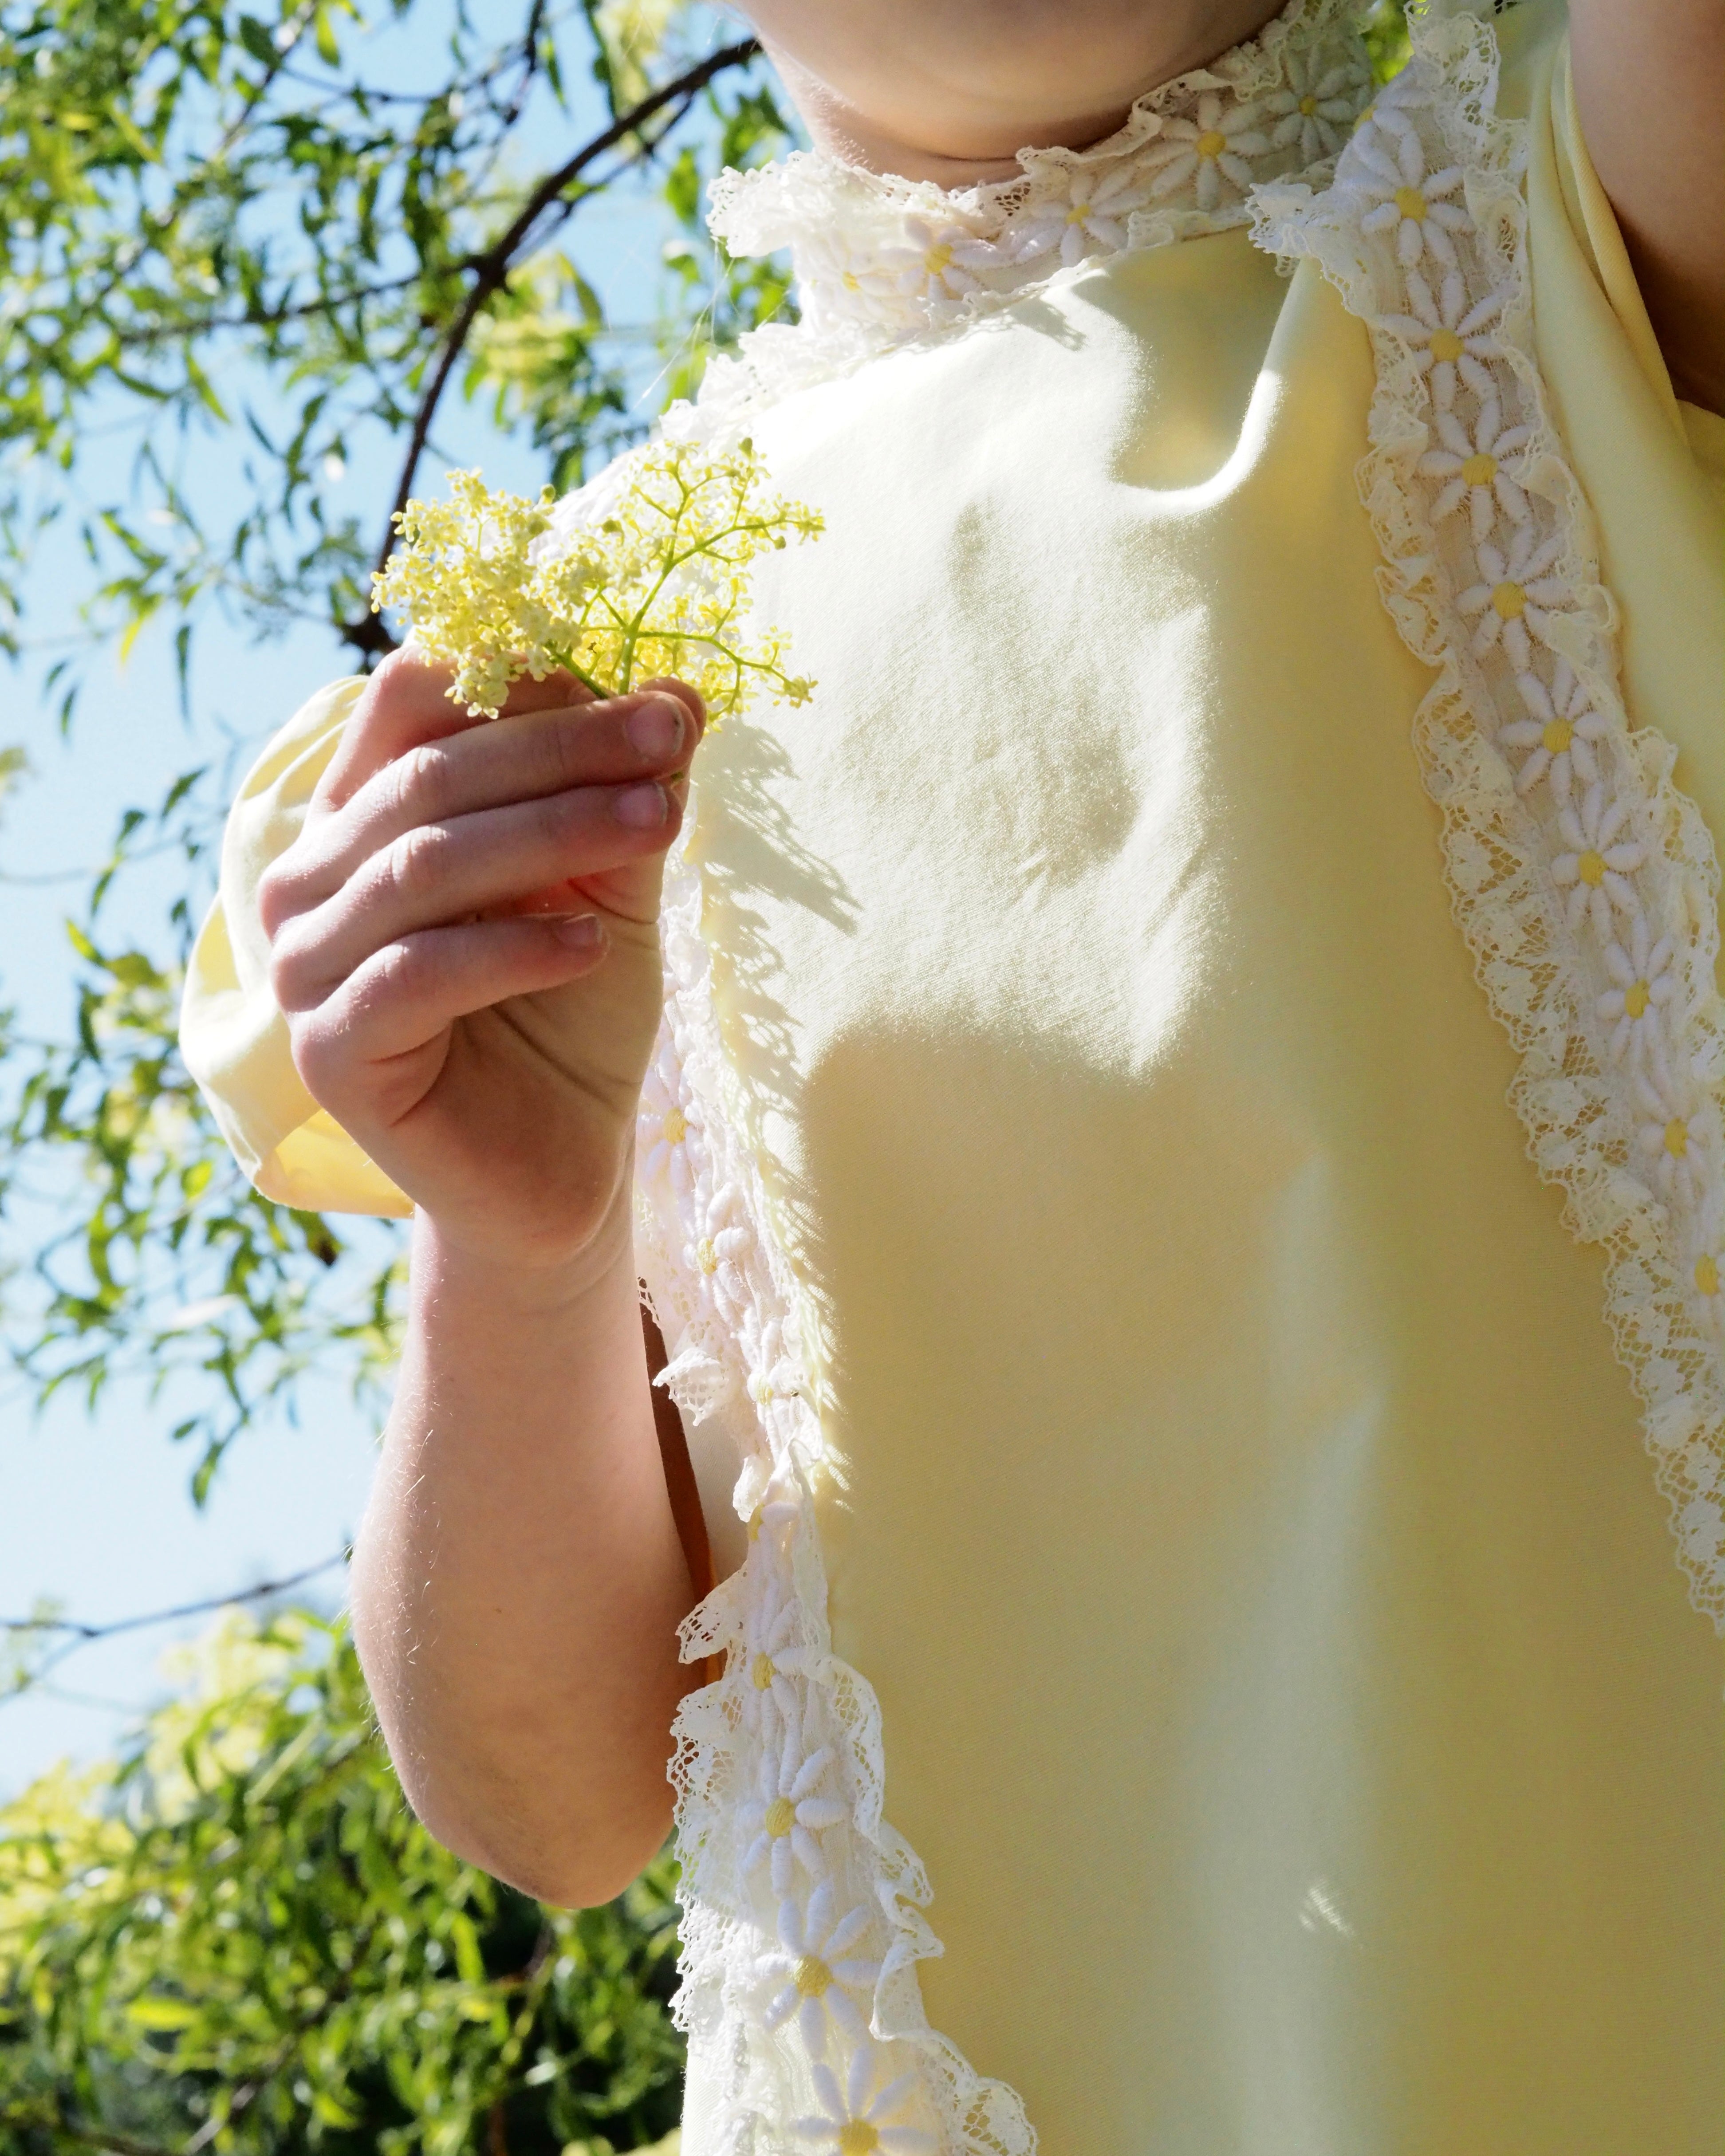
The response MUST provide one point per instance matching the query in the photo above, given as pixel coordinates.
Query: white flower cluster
(1609, 913)
(890, 259)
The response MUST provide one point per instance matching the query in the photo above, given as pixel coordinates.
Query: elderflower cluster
(660, 587)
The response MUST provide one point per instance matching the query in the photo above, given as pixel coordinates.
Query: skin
(465, 941)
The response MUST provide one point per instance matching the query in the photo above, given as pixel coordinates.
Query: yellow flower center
(1211, 142)
(754, 1524)
(1556, 736)
(849, 280)
(1308, 105)
(1411, 203)
(1635, 998)
(761, 1672)
(674, 1128)
(1076, 215)
(1676, 1137)
(813, 1976)
(857, 2137)
(1591, 868)
(1509, 599)
(706, 1256)
(1480, 470)
(781, 1818)
(937, 259)
(1707, 1275)
(1445, 345)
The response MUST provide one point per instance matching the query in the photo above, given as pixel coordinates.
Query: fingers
(523, 757)
(407, 702)
(406, 996)
(436, 873)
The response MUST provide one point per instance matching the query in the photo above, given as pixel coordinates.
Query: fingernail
(656, 730)
(580, 932)
(640, 808)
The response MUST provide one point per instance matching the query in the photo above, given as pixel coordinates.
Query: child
(1154, 1426)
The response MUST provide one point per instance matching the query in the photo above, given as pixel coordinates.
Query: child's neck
(959, 144)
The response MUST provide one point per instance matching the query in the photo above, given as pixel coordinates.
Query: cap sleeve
(1641, 456)
(232, 1036)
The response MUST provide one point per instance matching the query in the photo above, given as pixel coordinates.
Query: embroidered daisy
(1214, 146)
(864, 2115)
(719, 1249)
(835, 279)
(1599, 860)
(1483, 471)
(1672, 1135)
(941, 265)
(788, 1812)
(773, 1377)
(1317, 107)
(1646, 977)
(774, 1661)
(1449, 337)
(1090, 214)
(817, 1971)
(1517, 593)
(665, 1118)
(1559, 732)
(1389, 161)
(1707, 1275)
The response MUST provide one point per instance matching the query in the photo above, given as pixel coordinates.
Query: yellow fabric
(1285, 1675)
(234, 1038)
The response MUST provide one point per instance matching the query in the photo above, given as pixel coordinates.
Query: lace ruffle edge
(1585, 883)
(803, 1908)
(882, 262)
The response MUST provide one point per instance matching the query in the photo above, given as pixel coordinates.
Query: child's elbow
(579, 1857)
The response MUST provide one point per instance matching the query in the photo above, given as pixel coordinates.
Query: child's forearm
(519, 1579)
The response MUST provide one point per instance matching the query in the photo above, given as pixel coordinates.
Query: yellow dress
(1225, 1483)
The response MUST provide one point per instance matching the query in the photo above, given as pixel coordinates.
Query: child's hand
(465, 940)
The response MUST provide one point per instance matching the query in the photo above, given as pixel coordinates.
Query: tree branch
(82, 1635)
(491, 272)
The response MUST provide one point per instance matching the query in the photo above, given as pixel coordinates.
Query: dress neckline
(881, 260)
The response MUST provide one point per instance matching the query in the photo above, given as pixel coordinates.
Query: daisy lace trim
(1586, 884)
(803, 1910)
(881, 261)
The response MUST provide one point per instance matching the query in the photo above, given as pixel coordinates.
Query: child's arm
(519, 1579)
(1649, 92)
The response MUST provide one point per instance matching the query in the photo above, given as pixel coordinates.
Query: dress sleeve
(232, 1037)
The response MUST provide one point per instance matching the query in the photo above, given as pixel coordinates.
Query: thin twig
(491, 272)
(84, 1634)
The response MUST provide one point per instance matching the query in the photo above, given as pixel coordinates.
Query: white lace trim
(802, 1918)
(881, 262)
(1587, 885)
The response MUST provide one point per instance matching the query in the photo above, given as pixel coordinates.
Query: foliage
(242, 1940)
(240, 227)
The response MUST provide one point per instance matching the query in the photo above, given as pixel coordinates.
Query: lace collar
(880, 260)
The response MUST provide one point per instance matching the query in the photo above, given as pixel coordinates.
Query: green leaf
(162, 2014)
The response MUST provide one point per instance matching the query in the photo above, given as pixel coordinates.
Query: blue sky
(94, 1511)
